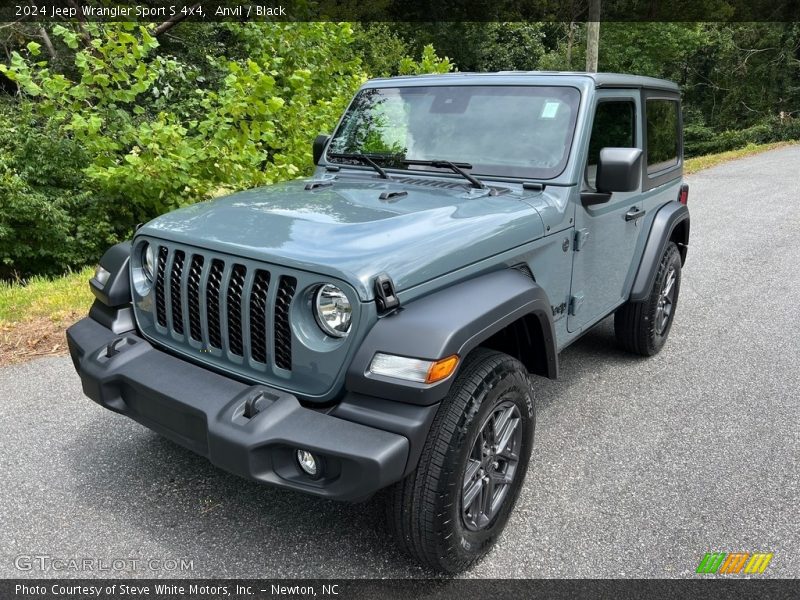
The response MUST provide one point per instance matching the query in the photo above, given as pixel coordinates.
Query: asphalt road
(640, 465)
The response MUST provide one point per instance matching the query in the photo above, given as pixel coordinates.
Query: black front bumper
(205, 412)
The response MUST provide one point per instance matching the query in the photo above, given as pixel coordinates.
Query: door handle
(634, 213)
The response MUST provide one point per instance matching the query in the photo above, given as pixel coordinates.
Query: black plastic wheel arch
(117, 290)
(664, 223)
(451, 321)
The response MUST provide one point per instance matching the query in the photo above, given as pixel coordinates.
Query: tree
(147, 132)
(480, 46)
(593, 36)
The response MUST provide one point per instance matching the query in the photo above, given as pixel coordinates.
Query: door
(606, 234)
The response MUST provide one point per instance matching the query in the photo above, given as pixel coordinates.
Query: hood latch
(385, 296)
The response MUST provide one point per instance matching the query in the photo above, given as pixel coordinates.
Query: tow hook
(117, 345)
(251, 405)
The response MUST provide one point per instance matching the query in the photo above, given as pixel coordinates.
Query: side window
(662, 134)
(614, 127)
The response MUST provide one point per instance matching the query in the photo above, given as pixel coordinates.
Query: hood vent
(437, 183)
(444, 184)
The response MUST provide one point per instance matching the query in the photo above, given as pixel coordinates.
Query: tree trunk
(48, 43)
(173, 20)
(45, 38)
(570, 38)
(593, 36)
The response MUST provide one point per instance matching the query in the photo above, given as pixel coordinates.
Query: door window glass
(614, 127)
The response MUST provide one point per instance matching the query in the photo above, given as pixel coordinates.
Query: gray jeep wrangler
(379, 324)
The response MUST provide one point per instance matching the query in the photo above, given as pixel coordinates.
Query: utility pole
(592, 36)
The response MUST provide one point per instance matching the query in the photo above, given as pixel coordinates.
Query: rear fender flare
(665, 223)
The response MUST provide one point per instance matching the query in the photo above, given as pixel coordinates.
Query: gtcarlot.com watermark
(48, 563)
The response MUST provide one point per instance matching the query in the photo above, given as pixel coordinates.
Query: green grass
(698, 163)
(56, 299)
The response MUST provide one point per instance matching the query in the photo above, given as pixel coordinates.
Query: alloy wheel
(491, 466)
(666, 301)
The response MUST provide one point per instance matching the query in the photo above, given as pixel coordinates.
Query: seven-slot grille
(210, 300)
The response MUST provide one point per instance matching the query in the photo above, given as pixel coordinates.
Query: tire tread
(412, 502)
(633, 324)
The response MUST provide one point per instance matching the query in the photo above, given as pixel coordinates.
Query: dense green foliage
(125, 130)
(740, 81)
(103, 126)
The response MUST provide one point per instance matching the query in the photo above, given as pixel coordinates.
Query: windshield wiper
(364, 159)
(454, 167)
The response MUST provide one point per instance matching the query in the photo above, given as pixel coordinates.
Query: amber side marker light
(413, 369)
(442, 369)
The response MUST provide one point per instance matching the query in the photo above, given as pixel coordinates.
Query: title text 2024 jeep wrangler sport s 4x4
(375, 326)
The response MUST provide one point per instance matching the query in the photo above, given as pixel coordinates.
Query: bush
(124, 133)
(49, 220)
(700, 140)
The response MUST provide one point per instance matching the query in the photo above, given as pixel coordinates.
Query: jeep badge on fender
(383, 323)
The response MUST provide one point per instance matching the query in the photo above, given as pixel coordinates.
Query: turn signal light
(413, 369)
(442, 369)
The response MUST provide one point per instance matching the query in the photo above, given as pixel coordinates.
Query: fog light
(309, 463)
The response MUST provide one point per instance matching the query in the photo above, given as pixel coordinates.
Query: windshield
(505, 131)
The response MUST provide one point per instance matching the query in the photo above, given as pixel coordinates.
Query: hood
(346, 231)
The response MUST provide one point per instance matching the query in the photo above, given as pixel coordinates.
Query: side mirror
(619, 170)
(319, 146)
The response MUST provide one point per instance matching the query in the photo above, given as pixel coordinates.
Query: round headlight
(148, 261)
(333, 311)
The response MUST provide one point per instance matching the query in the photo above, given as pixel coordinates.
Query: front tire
(452, 509)
(643, 327)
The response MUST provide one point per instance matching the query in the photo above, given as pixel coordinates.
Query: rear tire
(476, 455)
(643, 327)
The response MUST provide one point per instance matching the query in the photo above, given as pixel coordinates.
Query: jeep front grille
(175, 291)
(214, 313)
(258, 316)
(161, 310)
(235, 288)
(193, 296)
(283, 335)
(212, 301)
(242, 317)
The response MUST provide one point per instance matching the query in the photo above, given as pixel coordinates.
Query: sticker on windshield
(549, 110)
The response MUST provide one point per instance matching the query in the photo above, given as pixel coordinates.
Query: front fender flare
(454, 320)
(117, 290)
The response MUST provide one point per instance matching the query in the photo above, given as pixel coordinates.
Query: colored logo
(733, 563)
